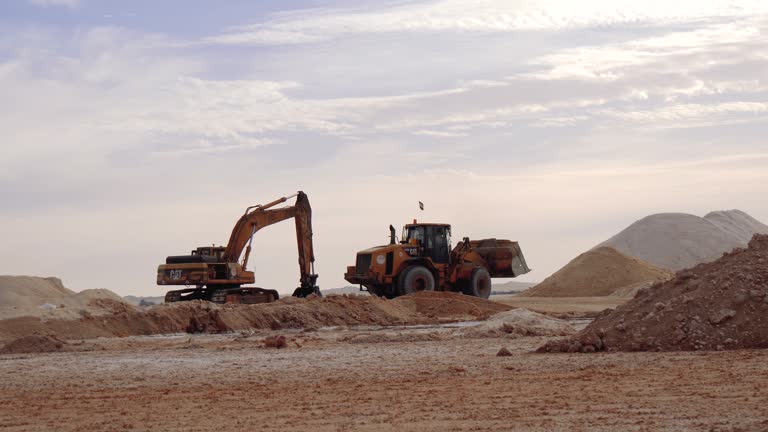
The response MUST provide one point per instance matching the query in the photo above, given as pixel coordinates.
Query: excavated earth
(288, 313)
(722, 305)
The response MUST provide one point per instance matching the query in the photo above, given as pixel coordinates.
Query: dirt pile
(714, 306)
(676, 241)
(205, 317)
(595, 273)
(450, 306)
(31, 291)
(49, 298)
(33, 344)
(519, 322)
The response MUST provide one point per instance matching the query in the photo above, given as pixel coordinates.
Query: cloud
(696, 115)
(66, 3)
(612, 61)
(488, 16)
(440, 134)
(112, 128)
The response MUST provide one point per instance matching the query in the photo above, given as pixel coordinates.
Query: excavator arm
(257, 217)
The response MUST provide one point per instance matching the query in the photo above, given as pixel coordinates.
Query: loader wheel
(480, 284)
(414, 279)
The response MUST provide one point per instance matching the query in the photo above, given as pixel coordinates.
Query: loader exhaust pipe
(392, 235)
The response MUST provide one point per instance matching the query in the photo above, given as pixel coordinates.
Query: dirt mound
(677, 241)
(595, 273)
(519, 322)
(98, 294)
(123, 319)
(714, 306)
(450, 306)
(33, 344)
(30, 291)
(106, 315)
(49, 298)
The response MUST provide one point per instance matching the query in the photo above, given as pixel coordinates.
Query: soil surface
(577, 306)
(321, 382)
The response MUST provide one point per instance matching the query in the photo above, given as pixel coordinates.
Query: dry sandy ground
(226, 382)
(561, 304)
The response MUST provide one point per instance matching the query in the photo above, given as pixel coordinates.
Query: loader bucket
(504, 257)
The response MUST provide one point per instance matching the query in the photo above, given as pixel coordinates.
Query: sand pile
(205, 317)
(598, 272)
(519, 322)
(714, 306)
(30, 291)
(48, 297)
(677, 241)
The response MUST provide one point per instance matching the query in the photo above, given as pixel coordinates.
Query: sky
(134, 130)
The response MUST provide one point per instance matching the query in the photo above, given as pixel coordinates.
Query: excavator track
(186, 295)
(247, 295)
(239, 295)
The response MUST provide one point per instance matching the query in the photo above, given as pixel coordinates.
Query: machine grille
(363, 263)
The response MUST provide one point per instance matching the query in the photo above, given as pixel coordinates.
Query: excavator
(216, 274)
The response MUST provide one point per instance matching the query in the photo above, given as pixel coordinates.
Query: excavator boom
(257, 217)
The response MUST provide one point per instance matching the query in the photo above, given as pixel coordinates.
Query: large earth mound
(713, 306)
(598, 272)
(290, 312)
(676, 241)
(48, 297)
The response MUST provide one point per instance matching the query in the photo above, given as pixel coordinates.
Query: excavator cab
(210, 251)
(434, 239)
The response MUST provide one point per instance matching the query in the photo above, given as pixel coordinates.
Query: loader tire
(414, 279)
(479, 285)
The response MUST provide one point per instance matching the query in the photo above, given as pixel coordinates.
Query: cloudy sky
(135, 130)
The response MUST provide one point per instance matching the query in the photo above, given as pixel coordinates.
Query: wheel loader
(215, 273)
(423, 261)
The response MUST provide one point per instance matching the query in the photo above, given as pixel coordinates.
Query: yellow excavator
(215, 273)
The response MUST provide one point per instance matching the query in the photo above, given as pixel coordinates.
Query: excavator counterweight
(217, 273)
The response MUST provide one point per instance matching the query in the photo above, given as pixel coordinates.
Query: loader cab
(435, 240)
